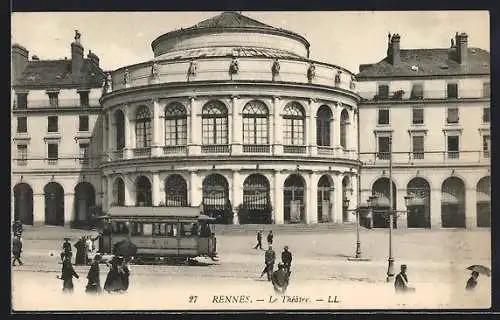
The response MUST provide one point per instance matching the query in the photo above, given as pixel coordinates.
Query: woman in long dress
(67, 275)
(94, 284)
(114, 281)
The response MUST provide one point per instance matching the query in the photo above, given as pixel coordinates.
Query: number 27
(192, 299)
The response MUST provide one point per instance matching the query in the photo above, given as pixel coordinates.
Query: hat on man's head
(403, 266)
(286, 248)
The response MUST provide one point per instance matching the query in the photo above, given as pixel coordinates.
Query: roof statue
(78, 35)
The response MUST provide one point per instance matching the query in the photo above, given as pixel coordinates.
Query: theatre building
(55, 113)
(232, 115)
(427, 112)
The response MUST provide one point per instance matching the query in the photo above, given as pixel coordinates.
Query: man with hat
(269, 260)
(67, 251)
(286, 258)
(17, 248)
(280, 279)
(94, 284)
(401, 281)
(259, 239)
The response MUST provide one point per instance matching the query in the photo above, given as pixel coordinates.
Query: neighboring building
(230, 115)
(56, 137)
(434, 105)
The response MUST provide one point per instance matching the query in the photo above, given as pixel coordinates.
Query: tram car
(160, 233)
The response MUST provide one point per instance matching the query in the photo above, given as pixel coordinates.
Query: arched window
(323, 126)
(120, 130)
(214, 123)
(175, 191)
(255, 123)
(294, 125)
(175, 125)
(344, 122)
(143, 127)
(143, 192)
(119, 193)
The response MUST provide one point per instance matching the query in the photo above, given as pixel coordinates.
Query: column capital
(312, 100)
(276, 98)
(235, 97)
(155, 100)
(192, 98)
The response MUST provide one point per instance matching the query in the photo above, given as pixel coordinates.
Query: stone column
(104, 190)
(130, 197)
(336, 129)
(312, 199)
(195, 189)
(436, 222)
(311, 128)
(237, 195)
(69, 208)
(111, 196)
(354, 133)
(105, 137)
(195, 129)
(128, 152)
(111, 134)
(470, 208)
(277, 127)
(237, 124)
(155, 189)
(156, 148)
(278, 213)
(38, 209)
(338, 197)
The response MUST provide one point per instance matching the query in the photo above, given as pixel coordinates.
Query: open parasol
(125, 248)
(480, 269)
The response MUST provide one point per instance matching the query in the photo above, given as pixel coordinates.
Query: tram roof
(184, 212)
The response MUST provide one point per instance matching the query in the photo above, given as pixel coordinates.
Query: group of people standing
(281, 277)
(117, 280)
(85, 249)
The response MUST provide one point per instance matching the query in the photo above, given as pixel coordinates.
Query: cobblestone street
(436, 267)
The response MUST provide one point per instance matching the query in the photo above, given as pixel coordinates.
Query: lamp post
(358, 256)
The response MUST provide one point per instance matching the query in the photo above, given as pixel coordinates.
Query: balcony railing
(294, 149)
(22, 162)
(427, 157)
(403, 95)
(61, 103)
(174, 150)
(52, 161)
(142, 152)
(216, 148)
(117, 155)
(256, 148)
(325, 151)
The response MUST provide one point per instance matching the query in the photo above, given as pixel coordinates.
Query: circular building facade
(231, 114)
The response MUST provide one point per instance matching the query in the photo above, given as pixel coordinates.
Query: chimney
(461, 45)
(93, 57)
(76, 54)
(19, 60)
(395, 49)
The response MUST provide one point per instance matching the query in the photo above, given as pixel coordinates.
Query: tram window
(137, 229)
(147, 229)
(188, 229)
(119, 227)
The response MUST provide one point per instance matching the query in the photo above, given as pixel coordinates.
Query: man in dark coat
(94, 284)
(67, 251)
(269, 260)
(472, 282)
(401, 282)
(17, 228)
(270, 237)
(259, 240)
(286, 258)
(67, 275)
(80, 252)
(280, 279)
(17, 248)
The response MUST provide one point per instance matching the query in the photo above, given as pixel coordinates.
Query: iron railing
(256, 148)
(216, 148)
(422, 157)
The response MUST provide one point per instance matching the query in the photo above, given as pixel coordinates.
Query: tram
(160, 233)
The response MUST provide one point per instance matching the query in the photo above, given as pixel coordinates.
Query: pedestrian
(270, 237)
(280, 279)
(94, 281)
(125, 273)
(286, 258)
(67, 251)
(269, 260)
(89, 249)
(259, 240)
(472, 282)
(17, 248)
(401, 282)
(80, 252)
(67, 275)
(17, 228)
(114, 279)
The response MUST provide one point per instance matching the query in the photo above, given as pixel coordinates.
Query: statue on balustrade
(337, 77)
(192, 68)
(352, 84)
(276, 67)
(107, 84)
(154, 70)
(126, 77)
(234, 67)
(78, 35)
(311, 72)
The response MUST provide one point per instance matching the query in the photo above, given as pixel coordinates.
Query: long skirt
(93, 287)
(68, 285)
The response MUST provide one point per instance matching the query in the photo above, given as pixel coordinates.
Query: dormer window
(417, 91)
(22, 100)
(53, 99)
(383, 91)
(452, 91)
(84, 99)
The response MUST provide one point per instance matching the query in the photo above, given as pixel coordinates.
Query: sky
(347, 39)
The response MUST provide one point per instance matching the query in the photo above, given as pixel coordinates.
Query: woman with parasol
(476, 270)
(114, 280)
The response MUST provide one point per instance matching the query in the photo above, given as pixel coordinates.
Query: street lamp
(358, 256)
(392, 213)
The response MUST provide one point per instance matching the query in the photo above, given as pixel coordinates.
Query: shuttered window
(418, 147)
(452, 116)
